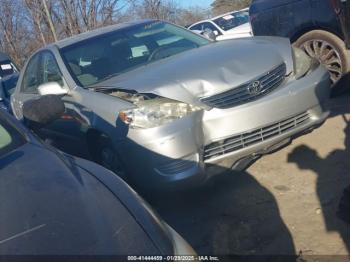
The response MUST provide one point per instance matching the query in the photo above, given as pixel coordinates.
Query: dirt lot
(286, 203)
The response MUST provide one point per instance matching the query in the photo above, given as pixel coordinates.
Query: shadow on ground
(233, 214)
(334, 167)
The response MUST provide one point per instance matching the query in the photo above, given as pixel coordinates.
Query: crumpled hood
(208, 70)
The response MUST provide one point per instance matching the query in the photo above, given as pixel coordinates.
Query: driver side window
(51, 71)
(31, 77)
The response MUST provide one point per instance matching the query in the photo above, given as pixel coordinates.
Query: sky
(200, 3)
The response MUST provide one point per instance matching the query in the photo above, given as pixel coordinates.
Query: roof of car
(99, 31)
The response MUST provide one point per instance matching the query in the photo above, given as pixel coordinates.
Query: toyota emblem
(254, 88)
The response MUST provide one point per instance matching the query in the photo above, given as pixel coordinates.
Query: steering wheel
(155, 52)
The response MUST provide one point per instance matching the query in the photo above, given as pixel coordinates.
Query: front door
(66, 132)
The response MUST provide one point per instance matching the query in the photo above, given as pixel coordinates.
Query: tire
(105, 155)
(329, 50)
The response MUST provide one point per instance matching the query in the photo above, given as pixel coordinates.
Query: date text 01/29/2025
(173, 258)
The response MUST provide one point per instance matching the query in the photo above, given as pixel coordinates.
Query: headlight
(156, 112)
(302, 62)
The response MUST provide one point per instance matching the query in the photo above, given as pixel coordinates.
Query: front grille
(178, 166)
(243, 94)
(254, 137)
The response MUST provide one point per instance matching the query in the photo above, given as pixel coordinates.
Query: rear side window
(10, 138)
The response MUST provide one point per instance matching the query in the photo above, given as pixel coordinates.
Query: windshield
(94, 60)
(232, 20)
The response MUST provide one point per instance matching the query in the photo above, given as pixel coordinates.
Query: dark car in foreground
(319, 27)
(56, 204)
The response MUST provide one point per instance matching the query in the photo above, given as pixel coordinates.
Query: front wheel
(106, 155)
(329, 50)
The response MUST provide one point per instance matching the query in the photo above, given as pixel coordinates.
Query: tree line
(26, 25)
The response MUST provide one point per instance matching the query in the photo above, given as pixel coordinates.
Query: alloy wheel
(327, 55)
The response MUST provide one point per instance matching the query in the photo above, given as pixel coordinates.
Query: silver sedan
(162, 105)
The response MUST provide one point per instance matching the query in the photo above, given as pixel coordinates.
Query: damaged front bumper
(189, 150)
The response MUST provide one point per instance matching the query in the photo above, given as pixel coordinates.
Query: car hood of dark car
(207, 70)
(51, 205)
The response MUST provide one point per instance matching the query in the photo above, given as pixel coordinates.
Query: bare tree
(223, 6)
(156, 9)
(41, 19)
(36, 19)
(48, 16)
(186, 17)
(13, 30)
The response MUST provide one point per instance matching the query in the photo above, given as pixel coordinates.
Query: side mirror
(51, 88)
(42, 111)
(216, 33)
(209, 34)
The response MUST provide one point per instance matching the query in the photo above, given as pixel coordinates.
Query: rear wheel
(329, 50)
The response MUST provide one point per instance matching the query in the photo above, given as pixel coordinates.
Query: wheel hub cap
(327, 55)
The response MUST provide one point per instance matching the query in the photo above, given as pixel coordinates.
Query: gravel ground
(285, 203)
